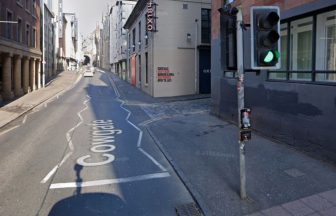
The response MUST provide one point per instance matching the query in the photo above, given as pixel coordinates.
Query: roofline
(140, 5)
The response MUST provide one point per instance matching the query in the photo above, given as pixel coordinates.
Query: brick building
(296, 104)
(20, 49)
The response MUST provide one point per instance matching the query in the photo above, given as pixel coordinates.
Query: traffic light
(265, 37)
(228, 37)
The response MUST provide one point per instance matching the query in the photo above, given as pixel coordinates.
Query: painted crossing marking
(48, 176)
(133, 125)
(24, 119)
(69, 140)
(109, 181)
(8, 130)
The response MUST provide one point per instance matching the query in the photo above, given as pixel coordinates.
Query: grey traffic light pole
(241, 103)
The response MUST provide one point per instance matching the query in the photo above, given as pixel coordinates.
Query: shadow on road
(89, 204)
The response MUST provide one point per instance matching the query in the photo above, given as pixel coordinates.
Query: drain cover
(189, 209)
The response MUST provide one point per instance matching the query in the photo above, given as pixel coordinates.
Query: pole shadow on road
(89, 204)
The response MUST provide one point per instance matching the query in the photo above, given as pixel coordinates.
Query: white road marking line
(153, 160)
(69, 140)
(109, 181)
(114, 87)
(133, 125)
(8, 130)
(51, 173)
(150, 121)
(24, 119)
(65, 158)
(78, 79)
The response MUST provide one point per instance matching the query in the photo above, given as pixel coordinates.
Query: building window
(139, 42)
(129, 69)
(206, 26)
(326, 46)
(146, 59)
(27, 35)
(146, 35)
(28, 5)
(301, 48)
(34, 8)
(129, 43)
(133, 40)
(34, 38)
(309, 54)
(19, 30)
(9, 26)
(185, 6)
(139, 58)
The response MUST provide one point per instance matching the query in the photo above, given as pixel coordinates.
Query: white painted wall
(170, 48)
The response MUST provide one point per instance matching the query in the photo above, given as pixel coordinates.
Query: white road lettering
(81, 160)
(106, 148)
(102, 142)
(97, 140)
(106, 132)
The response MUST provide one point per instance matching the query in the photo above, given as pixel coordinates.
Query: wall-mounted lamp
(133, 46)
(139, 42)
(188, 36)
(146, 36)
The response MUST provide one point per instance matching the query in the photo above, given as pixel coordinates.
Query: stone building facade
(49, 42)
(119, 13)
(20, 48)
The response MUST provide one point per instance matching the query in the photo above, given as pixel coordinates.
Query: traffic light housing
(228, 22)
(265, 37)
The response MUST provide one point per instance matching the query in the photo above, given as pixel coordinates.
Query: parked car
(88, 73)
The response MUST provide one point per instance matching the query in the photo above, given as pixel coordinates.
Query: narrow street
(81, 154)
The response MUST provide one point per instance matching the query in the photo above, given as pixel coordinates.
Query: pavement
(183, 145)
(204, 152)
(26, 103)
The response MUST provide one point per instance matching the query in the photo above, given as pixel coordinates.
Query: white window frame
(295, 30)
(321, 43)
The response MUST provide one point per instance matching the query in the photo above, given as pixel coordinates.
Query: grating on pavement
(294, 173)
(189, 209)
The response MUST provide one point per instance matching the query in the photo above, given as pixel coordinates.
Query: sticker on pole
(245, 122)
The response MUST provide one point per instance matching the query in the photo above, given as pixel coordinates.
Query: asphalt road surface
(81, 154)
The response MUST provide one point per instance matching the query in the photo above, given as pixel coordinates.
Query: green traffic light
(269, 57)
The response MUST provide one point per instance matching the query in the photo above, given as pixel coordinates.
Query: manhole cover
(189, 209)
